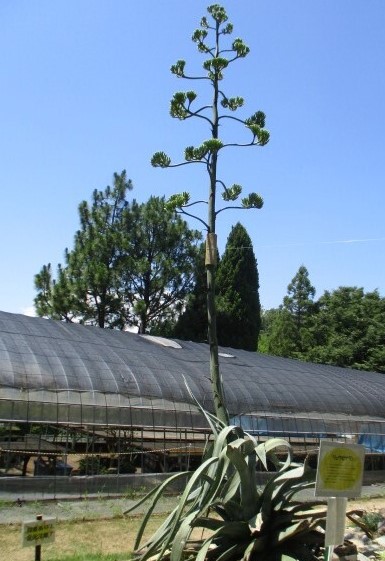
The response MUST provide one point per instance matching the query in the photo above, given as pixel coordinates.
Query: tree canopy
(345, 327)
(239, 311)
(237, 296)
(131, 264)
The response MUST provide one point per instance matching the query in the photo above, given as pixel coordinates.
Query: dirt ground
(370, 505)
(94, 526)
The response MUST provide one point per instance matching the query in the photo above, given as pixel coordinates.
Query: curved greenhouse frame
(91, 381)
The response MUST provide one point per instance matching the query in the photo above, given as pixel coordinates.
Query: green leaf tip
(199, 35)
(232, 103)
(177, 106)
(257, 118)
(252, 201)
(214, 66)
(195, 154)
(178, 68)
(177, 201)
(232, 193)
(218, 13)
(160, 160)
(240, 48)
(213, 144)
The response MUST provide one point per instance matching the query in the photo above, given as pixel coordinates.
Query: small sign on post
(38, 532)
(340, 469)
(339, 477)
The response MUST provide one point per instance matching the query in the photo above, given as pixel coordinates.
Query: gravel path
(14, 511)
(86, 509)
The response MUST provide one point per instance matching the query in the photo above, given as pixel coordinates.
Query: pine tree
(160, 264)
(239, 311)
(290, 331)
(131, 264)
(87, 288)
(192, 323)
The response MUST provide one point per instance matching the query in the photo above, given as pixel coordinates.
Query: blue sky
(84, 92)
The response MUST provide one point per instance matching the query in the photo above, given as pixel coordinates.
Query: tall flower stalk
(209, 38)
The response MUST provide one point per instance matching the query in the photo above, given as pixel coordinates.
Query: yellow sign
(340, 469)
(38, 532)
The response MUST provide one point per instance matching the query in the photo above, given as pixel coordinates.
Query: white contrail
(296, 244)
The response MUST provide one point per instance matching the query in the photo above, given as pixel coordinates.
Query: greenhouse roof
(52, 371)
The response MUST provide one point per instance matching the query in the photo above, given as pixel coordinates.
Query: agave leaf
(172, 528)
(231, 487)
(260, 451)
(274, 443)
(312, 513)
(231, 510)
(295, 506)
(288, 532)
(160, 533)
(255, 523)
(158, 490)
(215, 424)
(290, 474)
(311, 538)
(248, 552)
(233, 552)
(249, 495)
(238, 530)
(220, 444)
(207, 523)
(202, 553)
(181, 537)
(156, 493)
(304, 477)
(196, 476)
(247, 446)
(210, 494)
(265, 503)
(256, 546)
(307, 482)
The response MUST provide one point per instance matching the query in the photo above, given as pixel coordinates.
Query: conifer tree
(290, 333)
(131, 264)
(239, 310)
(192, 323)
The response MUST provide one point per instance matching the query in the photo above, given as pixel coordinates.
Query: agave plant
(223, 515)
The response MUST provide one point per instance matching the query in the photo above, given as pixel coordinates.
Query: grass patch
(95, 540)
(92, 557)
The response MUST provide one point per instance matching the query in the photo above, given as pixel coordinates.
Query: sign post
(339, 477)
(37, 532)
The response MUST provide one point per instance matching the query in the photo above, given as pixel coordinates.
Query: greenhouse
(79, 399)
